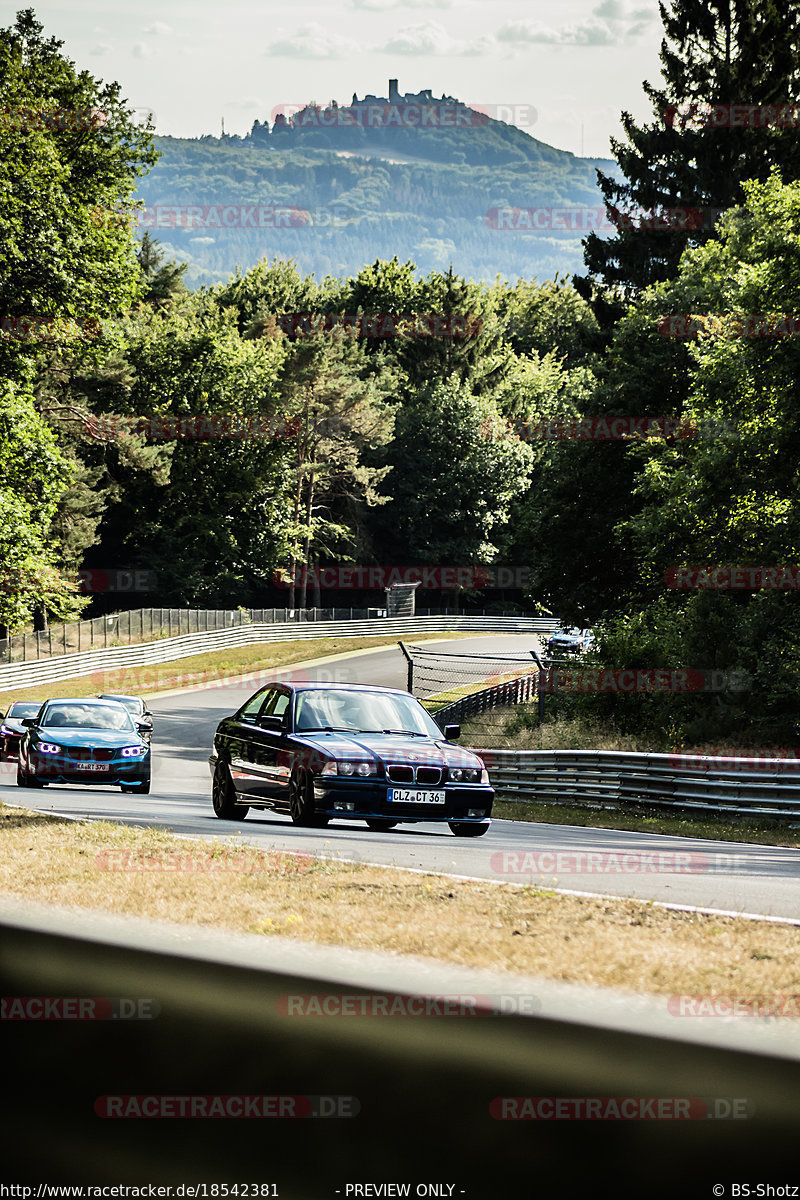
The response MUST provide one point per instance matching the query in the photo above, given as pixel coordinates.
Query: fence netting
(484, 693)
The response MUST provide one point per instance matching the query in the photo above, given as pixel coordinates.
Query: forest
(424, 445)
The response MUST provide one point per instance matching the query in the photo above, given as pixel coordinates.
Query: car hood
(69, 736)
(13, 726)
(389, 748)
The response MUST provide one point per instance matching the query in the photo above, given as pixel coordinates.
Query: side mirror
(144, 726)
(274, 723)
(452, 733)
(147, 714)
(29, 721)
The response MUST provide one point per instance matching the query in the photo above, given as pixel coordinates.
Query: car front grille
(430, 776)
(87, 754)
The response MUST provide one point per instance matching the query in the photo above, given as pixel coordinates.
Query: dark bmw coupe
(83, 741)
(318, 751)
(11, 728)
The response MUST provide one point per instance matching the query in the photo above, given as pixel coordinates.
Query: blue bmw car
(320, 751)
(84, 741)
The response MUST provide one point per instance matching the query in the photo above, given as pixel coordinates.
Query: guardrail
(513, 691)
(754, 786)
(70, 666)
(217, 1023)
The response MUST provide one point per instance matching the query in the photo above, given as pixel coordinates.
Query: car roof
(93, 700)
(117, 696)
(310, 685)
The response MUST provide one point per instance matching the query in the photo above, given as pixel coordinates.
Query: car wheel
(381, 826)
(301, 801)
(26, 780)
(223, 795)
(462, 829)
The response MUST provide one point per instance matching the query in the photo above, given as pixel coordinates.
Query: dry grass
(624, 944)
(215, 666)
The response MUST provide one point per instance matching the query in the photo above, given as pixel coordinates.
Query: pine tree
(716, 54)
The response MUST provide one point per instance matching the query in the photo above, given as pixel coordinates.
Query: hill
(335, 188)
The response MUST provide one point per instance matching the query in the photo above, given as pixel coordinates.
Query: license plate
(414, 796)
(94, 767)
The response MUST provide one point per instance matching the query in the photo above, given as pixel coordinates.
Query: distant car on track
(570, 641)
(138, 710)
(320, 751)
(83, 741)
(11, 727)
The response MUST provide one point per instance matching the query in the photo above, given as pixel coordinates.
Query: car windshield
(362, 712)
(133, 705)
(87, 716)
(22, 708)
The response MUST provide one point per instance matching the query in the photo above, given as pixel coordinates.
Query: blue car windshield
(88, 716)
(362, 712)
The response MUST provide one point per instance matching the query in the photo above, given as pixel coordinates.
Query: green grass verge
(723, 828)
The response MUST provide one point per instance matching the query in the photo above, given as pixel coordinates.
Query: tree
(729, 497)
(70, 157)
(715, 53)
(343, 416)
(456, 469)
(33, 475)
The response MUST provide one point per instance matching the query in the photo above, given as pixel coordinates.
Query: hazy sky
(569, 68)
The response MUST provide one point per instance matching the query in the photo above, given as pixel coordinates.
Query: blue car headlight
(49, 748)
(133, 751)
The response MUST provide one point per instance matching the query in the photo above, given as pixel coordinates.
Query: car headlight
(49, 748)
(356, 768)
(468, 775)
(133, 751)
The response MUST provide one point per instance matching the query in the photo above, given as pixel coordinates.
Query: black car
(83, 741)
(319, 751)
(11, 727)
(138, 710)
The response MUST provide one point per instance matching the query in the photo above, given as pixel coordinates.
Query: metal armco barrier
(428, 1089)
(514, 691)
(757, 786)
(70, 666)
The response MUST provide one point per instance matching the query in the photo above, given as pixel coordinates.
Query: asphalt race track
(724, 876)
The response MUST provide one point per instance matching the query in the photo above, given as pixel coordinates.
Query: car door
(267, 741)
(255, 768)
(237, 742)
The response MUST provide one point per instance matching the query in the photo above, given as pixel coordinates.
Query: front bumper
(55, 769)
(368, 800)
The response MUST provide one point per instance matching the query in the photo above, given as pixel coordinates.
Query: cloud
(101, 48)
(430, 38)
(140, 50)
(383, 5)
(158, 28)
(246, 102)
(312, 41)
(611, 23)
